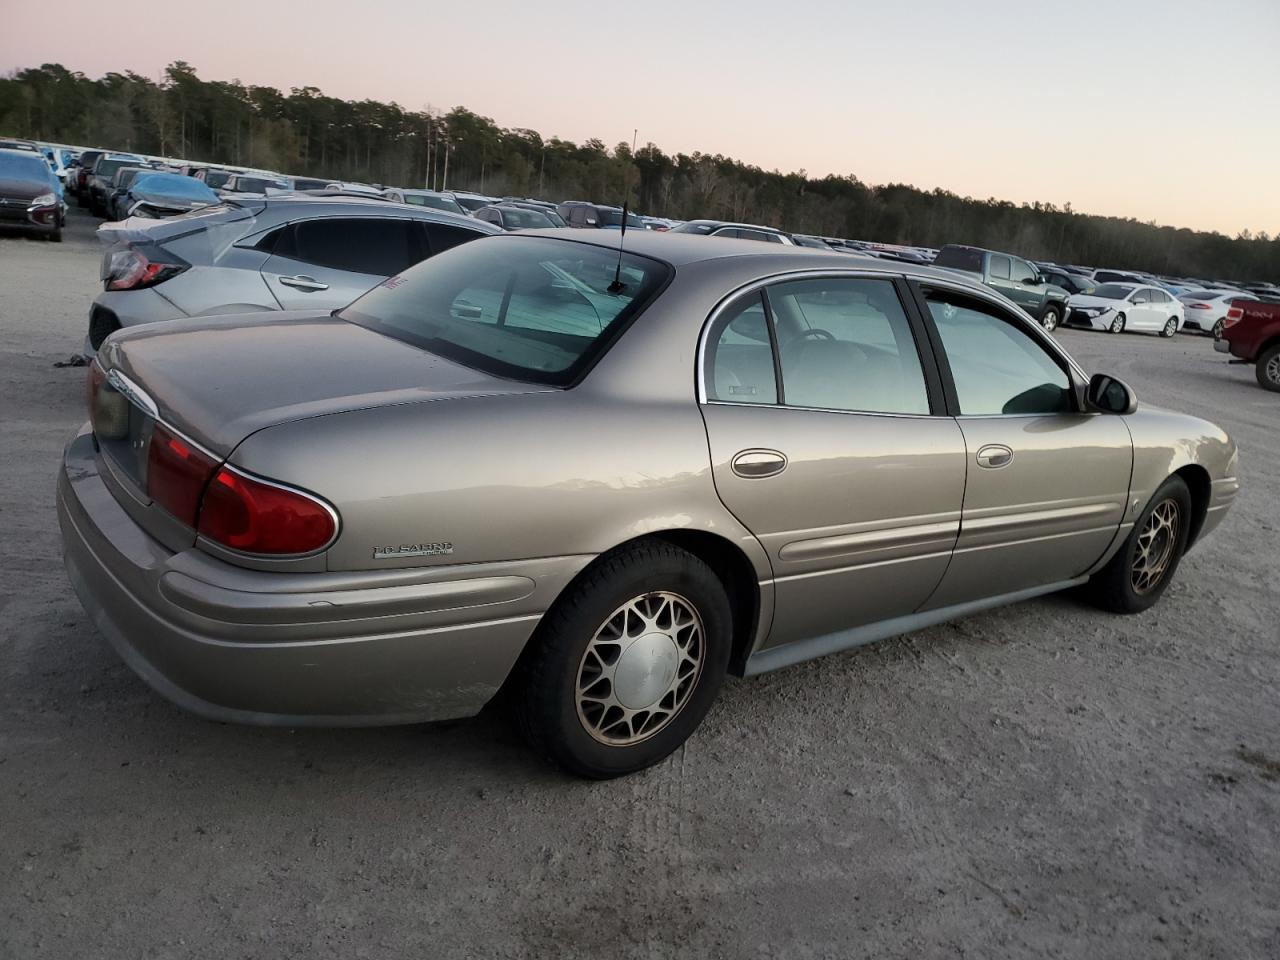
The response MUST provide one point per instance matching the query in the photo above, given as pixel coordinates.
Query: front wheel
(627, 663)
(1170, 327)
(1117, 325)
(1136, 577)
(1051, 317)
(1268, 369)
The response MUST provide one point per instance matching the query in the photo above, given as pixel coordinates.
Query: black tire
(1268, 368)
(545, 693)
(1051, 317)
(1113, 588)
(1117, 325)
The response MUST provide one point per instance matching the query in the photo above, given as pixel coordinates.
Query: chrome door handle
(304, 283)
(994, 455)
(757, 464)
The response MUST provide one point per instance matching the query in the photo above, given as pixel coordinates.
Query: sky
(1164, 110)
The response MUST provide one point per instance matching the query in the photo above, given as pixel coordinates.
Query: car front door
(1027, 290)
(327, 262)
(829, 443)
(1047, 483)
(1143, 314)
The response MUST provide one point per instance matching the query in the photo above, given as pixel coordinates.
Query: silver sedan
(602, 479)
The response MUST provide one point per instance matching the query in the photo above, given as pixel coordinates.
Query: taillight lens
(1199, 306)
(108, 407)
(140, 266)
(1234, 316)
(177, 474)
(255, 516)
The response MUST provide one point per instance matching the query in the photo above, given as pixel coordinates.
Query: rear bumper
(340, 649)
(113, 309)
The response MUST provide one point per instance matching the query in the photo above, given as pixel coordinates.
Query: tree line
(305, 132)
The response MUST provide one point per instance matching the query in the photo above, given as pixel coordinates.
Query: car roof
(685, 249)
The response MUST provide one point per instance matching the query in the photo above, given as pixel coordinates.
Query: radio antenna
(618, 286)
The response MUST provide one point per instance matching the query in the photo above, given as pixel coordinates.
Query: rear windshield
(522, 219)
(174, 185)
(471, 203)
(307, 183)
(1112, 291)
(217, 178)
(436, 203)
(528, 308)
(107, 168)
(959, 258)
(691, 227)
(259, 185)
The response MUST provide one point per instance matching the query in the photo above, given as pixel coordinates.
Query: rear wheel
(1117, 325)
(1136, 577)
(1170, 327)
(1051, 317)
(1218, 328)
(1268, 368)
(627, 663)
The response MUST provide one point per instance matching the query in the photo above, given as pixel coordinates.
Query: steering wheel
(817, 333)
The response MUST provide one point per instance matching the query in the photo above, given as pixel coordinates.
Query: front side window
(999, 267)
(846, 344)
(529, 308)
(1022, 271)
(997, 367)
(1141, 296)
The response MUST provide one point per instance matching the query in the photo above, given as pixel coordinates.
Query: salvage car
(290, 252)
(155, 195)
(29, 194)
(602, 479)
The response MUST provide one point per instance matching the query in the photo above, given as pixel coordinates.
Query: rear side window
(740, 357)
(999, 267)
(960, 258)
(378, 247)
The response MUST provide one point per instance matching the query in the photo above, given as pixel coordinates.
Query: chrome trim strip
(774, 658)
(1026, 518)
(133, 392)
(860, 566)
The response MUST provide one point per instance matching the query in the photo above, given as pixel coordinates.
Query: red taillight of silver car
(140, 266)
(253, 515)
(177, 474)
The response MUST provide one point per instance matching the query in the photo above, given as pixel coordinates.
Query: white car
(1206, 310)
(1117, 307)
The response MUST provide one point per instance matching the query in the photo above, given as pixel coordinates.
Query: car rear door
(1143, 314)
(326, 262)
(828, 441)
(1047, 484)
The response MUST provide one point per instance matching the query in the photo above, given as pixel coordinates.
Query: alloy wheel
(1050, 320)
(1117, 325)
(1217, 329)
(1272, 369)
(1171, 327)
(640, 668)
(1156, 545)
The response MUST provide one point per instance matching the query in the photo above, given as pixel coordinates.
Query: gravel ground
(1040, 781)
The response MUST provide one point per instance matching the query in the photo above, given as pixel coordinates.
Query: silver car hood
(220, 379)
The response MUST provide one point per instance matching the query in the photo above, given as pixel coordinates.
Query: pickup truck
(1251, 334)
(1016, 278)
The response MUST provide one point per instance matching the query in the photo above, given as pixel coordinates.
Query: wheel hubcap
(640, 668)
(1117, 325)
(1171, 328)
(1156, 543)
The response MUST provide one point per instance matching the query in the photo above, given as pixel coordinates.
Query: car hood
(220, 379)
(1085, 300)
(24, 188)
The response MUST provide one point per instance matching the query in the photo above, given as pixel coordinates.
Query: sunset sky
(1165, 110)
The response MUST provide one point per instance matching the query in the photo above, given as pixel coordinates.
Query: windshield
(436, 203)
(959, 258)
(517, 218)
(694, 227)
(471, 203)
(1112, 291)
(529, 308)
(174, 185)
(106, 169)
(217, 178)
(28, 166)
(309, 183)
(613, 218)
(259, 185)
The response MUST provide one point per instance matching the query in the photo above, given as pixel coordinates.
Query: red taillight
(255, 516)
(1234, 316)
(1199, 306)
(143, 265)
(177, 474)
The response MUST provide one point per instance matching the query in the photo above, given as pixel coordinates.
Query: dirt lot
(1040, 781)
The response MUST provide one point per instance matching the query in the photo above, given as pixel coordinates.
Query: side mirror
(1109, 395)
(1032, 281)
